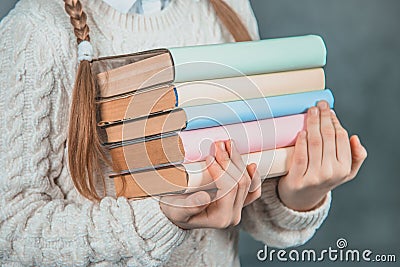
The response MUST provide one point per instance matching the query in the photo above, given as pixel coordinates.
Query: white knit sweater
(43, 220)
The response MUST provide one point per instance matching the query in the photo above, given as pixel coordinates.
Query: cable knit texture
(43, 221)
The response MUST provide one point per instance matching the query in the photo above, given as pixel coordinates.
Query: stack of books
(163, 109)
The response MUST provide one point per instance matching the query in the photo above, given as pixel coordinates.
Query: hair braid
(78, 19)
(85, 152)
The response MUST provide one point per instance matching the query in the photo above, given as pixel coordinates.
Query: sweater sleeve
(39, 224)
(270, 221)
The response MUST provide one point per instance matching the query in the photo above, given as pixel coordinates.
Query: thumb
(358, 153)
(255, 177)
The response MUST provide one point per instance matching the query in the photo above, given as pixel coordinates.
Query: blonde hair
(85, 152)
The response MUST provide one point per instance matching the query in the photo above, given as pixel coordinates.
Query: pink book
(194, 146)
(248, 137)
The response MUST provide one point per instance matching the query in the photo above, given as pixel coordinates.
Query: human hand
(237, 186)
(324, 158)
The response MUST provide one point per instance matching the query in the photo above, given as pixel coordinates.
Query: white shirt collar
(138, 6)
(122, 6)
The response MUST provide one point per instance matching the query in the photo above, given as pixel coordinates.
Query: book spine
(212, 115)
(248, 58)
(249, 137)
(151, 183)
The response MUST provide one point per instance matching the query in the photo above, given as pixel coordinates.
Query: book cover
(193, 146)
(211, 115)
(194, 93)
(182, 64)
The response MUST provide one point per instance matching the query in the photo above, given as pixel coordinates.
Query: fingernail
(222, 145)
(231, 147)
(322, 105)
(254, 166)
(250, 165)
(232, 142)
(314, 111)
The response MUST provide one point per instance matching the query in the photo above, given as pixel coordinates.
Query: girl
(44, 221)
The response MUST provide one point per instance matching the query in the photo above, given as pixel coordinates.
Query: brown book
(192, 177)
(137, 104)
(159, 181)
(146, 126)
(144, 154)
(127, 73)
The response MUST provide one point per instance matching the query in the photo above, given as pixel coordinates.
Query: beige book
(192, 177)
(167, 97)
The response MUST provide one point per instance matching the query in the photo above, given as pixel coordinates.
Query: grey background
(363, 40)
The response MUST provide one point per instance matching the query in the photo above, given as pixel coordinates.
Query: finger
(328, 135)
(236, 192)
(219, 213)
(255, 188)
(223, 159)
(255, 177)
(235, 155)
(240, 176)
(239, 173)
(181, 207)
(222, 179)
(314, 139)
(221, 155)
(358, 153)
(343, 150)
(251, 197)
(299, 163)
(226, 186)
(227, 154)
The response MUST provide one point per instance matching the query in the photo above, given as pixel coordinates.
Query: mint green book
(128, 73)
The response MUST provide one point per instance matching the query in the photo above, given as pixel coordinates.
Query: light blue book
(225, 113)
(219, 114)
